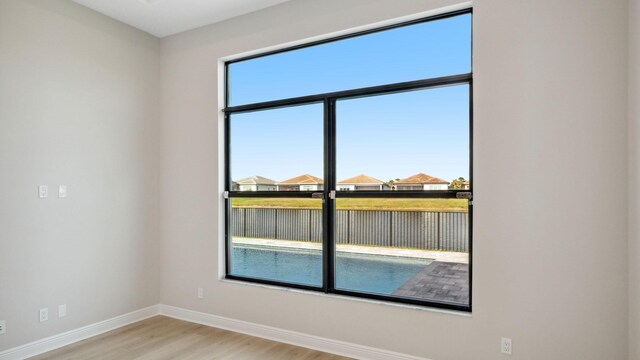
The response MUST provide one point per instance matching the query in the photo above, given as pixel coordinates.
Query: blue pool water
(365, 273)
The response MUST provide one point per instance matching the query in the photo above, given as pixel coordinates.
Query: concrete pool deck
(439, 281)
(438, 256)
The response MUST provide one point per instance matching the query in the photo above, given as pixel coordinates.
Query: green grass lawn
(357, 204)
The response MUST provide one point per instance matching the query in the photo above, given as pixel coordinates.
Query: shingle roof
(361, 179)
(305, 179)
(255, 180)
(421, 179)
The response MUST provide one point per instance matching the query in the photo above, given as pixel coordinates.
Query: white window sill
(351, 298)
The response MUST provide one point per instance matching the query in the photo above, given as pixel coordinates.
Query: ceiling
(167, 17)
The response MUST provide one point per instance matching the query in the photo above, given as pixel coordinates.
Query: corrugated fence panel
(316, 226)
(260, 223)
(430, 225)
(406, 229)
(453, 231)
(370, 227)
(291, 224)
(237, 222)
(342, 226)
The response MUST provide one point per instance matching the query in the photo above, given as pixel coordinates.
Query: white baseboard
(285, 336)
(70, 337)
(267, 332)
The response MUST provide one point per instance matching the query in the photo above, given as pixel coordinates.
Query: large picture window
(348, 166)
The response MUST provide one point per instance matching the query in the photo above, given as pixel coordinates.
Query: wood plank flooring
(161, 337)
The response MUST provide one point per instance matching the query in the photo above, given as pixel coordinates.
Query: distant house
(361, 182)
(304, 182)
(421, 182)
(254, 183)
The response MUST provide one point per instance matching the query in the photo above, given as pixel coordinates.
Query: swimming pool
(376, 274)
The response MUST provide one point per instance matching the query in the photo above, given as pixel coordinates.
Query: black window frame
(329, 208)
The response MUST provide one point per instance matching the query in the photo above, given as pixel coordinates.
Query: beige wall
(634, 180)
(80, 96)
(550, 263)
(78, 106)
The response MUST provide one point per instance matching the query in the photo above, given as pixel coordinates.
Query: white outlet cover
(44, 314)
(200, 293)
(43, 191)
(3, 327)
(62, 310)
(505, 346)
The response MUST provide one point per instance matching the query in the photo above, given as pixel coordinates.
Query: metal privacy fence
(429, 230)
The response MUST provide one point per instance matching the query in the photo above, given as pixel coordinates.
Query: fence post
(438, 246)
(275, 227)
(310, 225)
(244, 221)
(348, 230)
(390, 228)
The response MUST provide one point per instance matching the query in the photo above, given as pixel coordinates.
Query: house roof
(361, 179)
(255, 180)
(421, 179)
(305, 179)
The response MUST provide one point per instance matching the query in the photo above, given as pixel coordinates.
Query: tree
(391, 183)
(459, 184)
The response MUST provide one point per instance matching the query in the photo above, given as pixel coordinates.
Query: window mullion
(328, 232)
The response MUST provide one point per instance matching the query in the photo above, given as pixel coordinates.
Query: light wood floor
(165, 338)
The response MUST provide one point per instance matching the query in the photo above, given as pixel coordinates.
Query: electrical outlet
(200, 293)
(506, 346)
(3, 327)
(62, 310)
(44, 314)
(43, 191)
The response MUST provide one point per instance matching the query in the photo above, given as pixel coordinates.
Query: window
(348, 164)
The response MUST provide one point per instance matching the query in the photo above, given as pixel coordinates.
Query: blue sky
(388, 136)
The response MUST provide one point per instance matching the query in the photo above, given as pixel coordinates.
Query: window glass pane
(280, 149)
(431, 49)
(278, 239)
(407, 248)
(416, 140)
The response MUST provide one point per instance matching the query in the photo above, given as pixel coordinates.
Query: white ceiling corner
(167, 17)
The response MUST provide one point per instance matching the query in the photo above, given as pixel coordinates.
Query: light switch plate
(43, 191)
(62, 191)
(62, 310)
